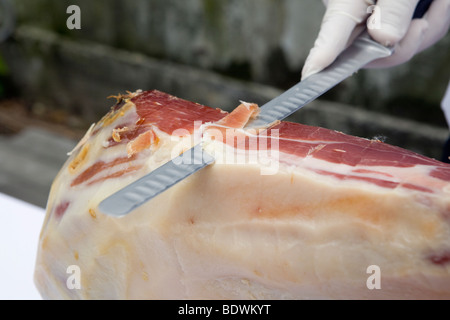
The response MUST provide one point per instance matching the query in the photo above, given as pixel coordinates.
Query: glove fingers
(338, 25)
(406, 48)
(326, 48)
(422, 34)
(438, 17)
(395, 18)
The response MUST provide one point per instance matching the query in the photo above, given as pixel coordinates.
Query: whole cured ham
(292, 212)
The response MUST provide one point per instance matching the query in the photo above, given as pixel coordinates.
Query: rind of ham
(335, 205)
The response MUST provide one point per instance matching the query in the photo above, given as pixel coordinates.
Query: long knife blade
(363, 51)
(137, 193)
(360, 53)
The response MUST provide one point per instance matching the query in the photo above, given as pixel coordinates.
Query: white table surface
(20, 225)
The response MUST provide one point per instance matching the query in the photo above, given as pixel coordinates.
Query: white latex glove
(445, 105)
(344, 19)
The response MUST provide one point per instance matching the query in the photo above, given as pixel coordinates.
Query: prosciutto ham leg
(335, 207)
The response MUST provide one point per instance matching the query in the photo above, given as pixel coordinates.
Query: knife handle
(422, 8)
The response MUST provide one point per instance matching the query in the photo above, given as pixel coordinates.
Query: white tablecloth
(20, 225)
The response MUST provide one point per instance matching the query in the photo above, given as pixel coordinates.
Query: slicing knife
(363, 51)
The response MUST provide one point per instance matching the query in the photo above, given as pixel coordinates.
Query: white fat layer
(85, 138)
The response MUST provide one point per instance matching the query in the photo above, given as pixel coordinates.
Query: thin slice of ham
(292, 212)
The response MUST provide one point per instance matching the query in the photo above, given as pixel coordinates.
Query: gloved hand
(344, 20)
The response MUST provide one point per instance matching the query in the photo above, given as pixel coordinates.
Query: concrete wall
(255, 35)
(266, 41)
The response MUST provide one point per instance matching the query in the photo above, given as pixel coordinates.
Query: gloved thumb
(395, 19)
(406, 48)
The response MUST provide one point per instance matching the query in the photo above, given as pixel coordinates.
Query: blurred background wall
(215, 52)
